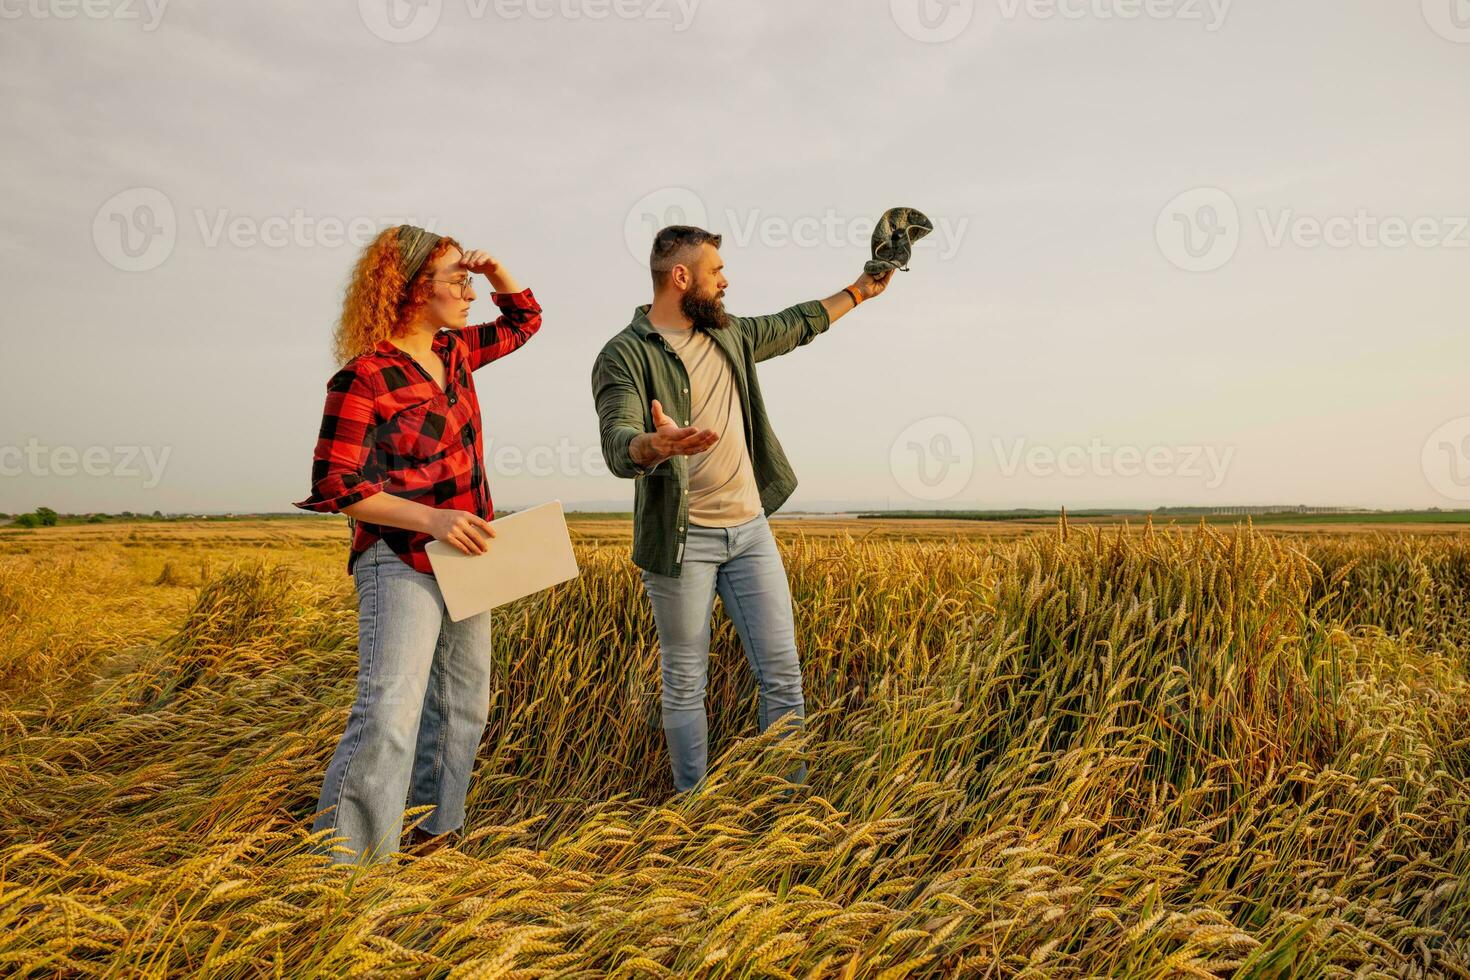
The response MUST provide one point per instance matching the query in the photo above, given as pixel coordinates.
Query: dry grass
(1073, 752)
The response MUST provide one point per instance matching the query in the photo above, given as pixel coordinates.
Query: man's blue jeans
(423, 698)
(743, 565)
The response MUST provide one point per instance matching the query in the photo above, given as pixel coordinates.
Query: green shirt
(637, 365)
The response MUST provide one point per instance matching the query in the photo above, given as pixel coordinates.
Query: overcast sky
(1185, 251)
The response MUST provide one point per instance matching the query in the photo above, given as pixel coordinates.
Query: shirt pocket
(420, 434)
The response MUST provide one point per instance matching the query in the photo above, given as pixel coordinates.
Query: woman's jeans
(423, 698)
(743, 565)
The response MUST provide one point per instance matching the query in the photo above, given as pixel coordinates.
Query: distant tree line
(46, 517)
(40, 517)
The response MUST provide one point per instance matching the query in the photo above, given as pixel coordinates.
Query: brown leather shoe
(420, 842)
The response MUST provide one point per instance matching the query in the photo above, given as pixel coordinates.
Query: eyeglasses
(463, 284)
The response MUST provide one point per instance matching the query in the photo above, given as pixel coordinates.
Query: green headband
(414, 246)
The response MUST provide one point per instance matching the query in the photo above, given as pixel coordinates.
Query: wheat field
(1073, 751)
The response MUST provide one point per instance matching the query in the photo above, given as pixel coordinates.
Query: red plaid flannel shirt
(389, 427)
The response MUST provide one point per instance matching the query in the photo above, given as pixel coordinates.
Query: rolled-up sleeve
(620, 414)
(520, 318)
(780, 333)
(342, 471)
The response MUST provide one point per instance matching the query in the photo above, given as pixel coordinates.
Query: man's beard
(704, 311)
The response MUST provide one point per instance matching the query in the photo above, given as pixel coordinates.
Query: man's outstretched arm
(781, 333)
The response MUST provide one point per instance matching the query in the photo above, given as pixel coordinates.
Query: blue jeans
(423, 698)
(743, 565)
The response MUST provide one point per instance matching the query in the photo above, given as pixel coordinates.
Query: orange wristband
(852, 291)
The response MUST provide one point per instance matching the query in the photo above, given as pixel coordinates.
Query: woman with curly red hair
(401, 452)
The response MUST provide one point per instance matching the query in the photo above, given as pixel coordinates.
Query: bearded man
(680, 412)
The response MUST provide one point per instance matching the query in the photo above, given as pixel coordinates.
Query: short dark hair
(675, 245)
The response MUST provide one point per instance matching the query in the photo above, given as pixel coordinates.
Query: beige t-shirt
(722, 490)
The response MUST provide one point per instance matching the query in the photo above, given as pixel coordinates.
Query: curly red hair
(378, 302)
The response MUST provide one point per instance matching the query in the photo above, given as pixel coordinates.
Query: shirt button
(681, 527)
(686, 391)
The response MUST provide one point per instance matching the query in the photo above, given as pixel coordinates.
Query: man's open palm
(670, 439)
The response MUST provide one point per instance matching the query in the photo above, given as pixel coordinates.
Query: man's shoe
(421, 842)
